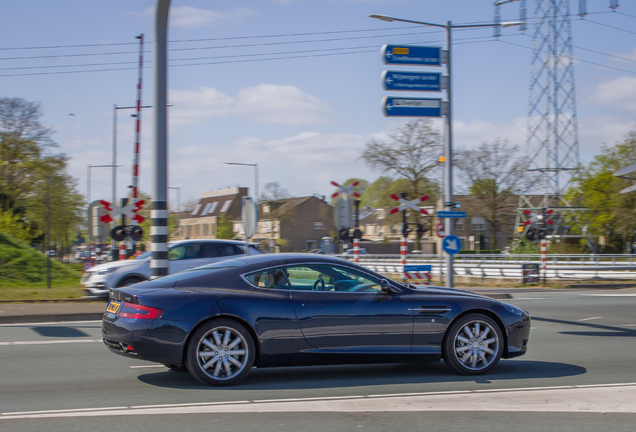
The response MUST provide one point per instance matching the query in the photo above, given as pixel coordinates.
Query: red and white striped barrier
(403, 252)
(356, 249)
(543, 257)
(419, 272)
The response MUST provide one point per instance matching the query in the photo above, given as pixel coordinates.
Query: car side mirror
(385, 286)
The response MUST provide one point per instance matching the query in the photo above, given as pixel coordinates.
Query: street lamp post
(448, 126)
(178, 189)
(255, 165)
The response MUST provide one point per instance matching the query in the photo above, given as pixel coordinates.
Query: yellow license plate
(113, 307)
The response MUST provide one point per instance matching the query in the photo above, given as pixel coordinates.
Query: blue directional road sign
(412, 55)
(411, 107)
(451, 244)
(412, 81)
(417, 268)
(451, 214)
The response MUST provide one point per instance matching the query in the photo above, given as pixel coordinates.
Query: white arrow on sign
(409, 204)
(452, 244)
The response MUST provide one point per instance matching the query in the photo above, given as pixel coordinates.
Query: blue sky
(291, 84)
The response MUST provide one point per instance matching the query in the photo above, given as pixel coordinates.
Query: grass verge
(23, 273)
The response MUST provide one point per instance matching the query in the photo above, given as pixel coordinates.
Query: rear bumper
(157, 340)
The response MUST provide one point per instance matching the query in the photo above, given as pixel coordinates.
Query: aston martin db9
(220, 320)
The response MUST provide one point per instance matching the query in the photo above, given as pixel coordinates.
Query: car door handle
(432, 309)
(311, 304)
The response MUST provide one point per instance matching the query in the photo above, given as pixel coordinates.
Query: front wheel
(474, 345)
(220, 353)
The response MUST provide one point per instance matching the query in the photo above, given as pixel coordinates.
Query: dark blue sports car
(220, 320)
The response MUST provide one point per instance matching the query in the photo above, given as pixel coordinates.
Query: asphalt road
(579, 375)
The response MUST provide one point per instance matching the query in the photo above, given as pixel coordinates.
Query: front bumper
(518, 337)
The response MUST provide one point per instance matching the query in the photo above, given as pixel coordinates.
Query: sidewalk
(21, 313)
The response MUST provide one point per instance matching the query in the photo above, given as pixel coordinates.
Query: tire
(129, 281)
(205, 359)
(176, 367)
(474, 345)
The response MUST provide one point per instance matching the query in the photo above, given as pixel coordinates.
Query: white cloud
(188, 16)
(304, 163)
(474, 133)
(618, 94)
(265, 103)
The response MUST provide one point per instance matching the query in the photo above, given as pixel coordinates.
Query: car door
(184, 256)
(344, 309)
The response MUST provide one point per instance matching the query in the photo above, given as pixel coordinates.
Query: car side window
(271, 278)
(216, 250)
(183, 252)
(325, 277)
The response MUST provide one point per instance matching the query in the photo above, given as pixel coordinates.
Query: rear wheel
(129, 281)
(474, 345)
(220, 353)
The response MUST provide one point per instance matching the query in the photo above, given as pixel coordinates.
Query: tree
(494, 172)
(23, 141)
(224, 228)
(274, 191)
(412, 153)
(611, 214)
(25, 164)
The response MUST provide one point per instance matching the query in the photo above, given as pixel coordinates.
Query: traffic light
(406, 230)
(344, 234)
(421, 229)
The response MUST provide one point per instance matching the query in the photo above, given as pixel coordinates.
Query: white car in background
(182, 255)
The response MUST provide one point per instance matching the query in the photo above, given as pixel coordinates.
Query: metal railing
(575, 260)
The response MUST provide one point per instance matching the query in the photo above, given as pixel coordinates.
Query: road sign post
(451, 244)
(412, 107)
(412, 81)
(249, 217)
(411, 55)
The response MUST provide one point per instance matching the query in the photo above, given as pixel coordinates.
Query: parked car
(361, 251)
(182, 255)
(220, 320)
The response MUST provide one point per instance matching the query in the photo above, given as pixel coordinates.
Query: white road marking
(612, 398)
(49, 323)
(527, 298)
(609, 295)
(148, 366)
(589, 319)
(50, 342)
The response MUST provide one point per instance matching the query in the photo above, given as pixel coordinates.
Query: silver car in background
(182, 255)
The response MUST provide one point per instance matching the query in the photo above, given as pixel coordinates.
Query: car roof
(235, 242)
(288, 258)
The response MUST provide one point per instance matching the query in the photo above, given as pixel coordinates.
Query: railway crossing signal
(409, 204)
(346, 189)
(129, 211)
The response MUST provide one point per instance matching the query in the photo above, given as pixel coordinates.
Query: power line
(457, 41)
(214, 39)
(610, 26)
(581, 60)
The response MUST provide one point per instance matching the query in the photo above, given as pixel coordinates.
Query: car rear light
(135, 311)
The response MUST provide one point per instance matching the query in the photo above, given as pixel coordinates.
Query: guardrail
(551, 259)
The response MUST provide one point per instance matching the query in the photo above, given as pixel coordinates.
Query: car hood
(116, 264)
(448, 291)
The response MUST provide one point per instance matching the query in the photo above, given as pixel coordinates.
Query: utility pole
(48, 232)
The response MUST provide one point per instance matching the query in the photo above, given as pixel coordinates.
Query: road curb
(42, 318)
